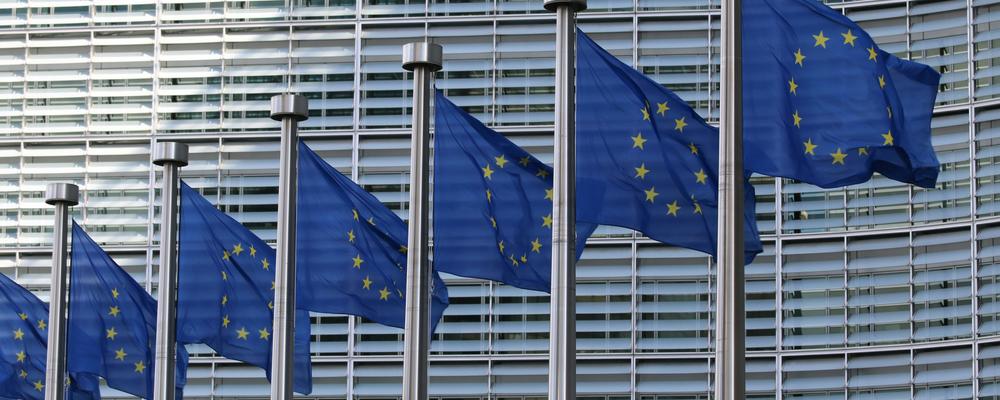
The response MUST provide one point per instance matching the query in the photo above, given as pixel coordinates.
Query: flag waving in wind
(351, 249)
(112, 322)
(824, 105)
(492, 204)
(645, 160)
(226, 288)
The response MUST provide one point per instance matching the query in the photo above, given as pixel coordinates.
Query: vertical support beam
(171, 156)
(562, 315)
(62, 196)
(730, 334)
(289, 109)
(423, 59)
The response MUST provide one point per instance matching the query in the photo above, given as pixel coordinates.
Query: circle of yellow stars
(641, 171)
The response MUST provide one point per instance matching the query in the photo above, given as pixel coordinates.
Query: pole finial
(577, 5)
(170, 152)
(421, 54)
(289, 105)
(60, 193)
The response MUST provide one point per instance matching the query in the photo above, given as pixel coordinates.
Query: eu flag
(23, 336)
(824, 105)
(351, 249)
(225, 290)
(112, 322)
(492, 204)
(645, 160)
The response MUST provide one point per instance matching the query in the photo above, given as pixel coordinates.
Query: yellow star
(270, 305)
(672, 208)
(697, 208)
(120, 354)
(371, 221)
(524, 258)
(872, 54)
(272, 286)
(23, 374)
(367, 283)
(501, 161)
(242, 333)
(641, 171)
(793, 87)
(237, 248)
(881, 81)
(679, 124)
(266, 265)
(862, 151)
(42, 324)
(225, 321)
(799, 57)
(264, 334)
(111, 333)
(253, 251)
(536, 245)
(701, 176)
(225, 276)
(501, 246)
(651, 194)
(638, 141)
(18, 334)
(888, 138)
(21, 356)
(547, 221)
(38, 385)
(384, 294)
(355, 211)
(849, 37)
(357, 261)
(513, 261)
(645, 114)
(225, 299)
(796, 119)
(140, 367)
(493, 222)
(661, 108)
(525, 161)
(23, 316)
(350, 236)
(820, 39)
(489, 196)
(810, 147)
(548, 194)
(401, 249)
(542, 173)
(488, 172)
(838, 157)
(114, 293)
(694, 149)
(225, 255)
(114, 311)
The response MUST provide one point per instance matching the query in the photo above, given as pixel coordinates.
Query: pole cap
(62, 193)
(170, 153)
(421, 54)
(575, 5)
(288, 105)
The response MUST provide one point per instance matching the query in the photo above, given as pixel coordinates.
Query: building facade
(875, 291)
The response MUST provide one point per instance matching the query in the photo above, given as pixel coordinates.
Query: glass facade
(874, 291)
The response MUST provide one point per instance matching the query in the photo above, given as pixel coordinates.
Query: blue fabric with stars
(226, 287)
(23, 336)
(352, 249)
(824, 105)
(492, 204)
(111, 330)
(645, 160)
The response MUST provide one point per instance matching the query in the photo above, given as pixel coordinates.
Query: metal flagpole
(289, 109)
(171, 156)
(423, 59)
(62, 196)
(730, 337)
(562, 323)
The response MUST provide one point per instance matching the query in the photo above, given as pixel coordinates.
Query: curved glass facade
(875, 291)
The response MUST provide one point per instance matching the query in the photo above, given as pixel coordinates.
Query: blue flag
(645, 160)
(351, 249)
(225, 290)
(492, 204)
(23, 336)
(824, 105)
(111, 331)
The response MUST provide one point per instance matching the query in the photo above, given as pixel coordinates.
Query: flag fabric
(23, 336)
(351, 249)
(111, 329)
(645, 160)
(824, 105)
(226, 290)
(492, 204)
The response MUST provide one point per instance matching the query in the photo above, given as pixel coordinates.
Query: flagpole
(730, 336)
(289, 109)
(562, 315)
(62, 196)
(423, 59)
(171, 156)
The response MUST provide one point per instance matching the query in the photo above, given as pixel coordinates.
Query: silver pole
(289, 109)
(423, 59)
(171, 156)
(562, 322)
(62, 196)
(730, 337)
